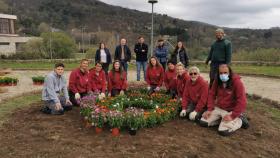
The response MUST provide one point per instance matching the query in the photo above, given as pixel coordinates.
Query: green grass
(250, 69)
(9, 106)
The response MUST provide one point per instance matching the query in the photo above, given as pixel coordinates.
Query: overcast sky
(233, 13)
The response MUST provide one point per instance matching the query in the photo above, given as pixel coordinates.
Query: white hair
(194, 68)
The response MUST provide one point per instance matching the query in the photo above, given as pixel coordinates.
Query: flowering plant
(135, 118)
(115, 119)
(98, 116)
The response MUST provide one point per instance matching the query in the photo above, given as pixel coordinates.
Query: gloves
(122, 92)
(183, 113)
(101, 96)
(157, 89)
(148, 88)
(192, 115)
(77, 96)
(109, 94)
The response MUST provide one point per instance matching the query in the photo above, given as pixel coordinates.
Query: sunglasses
(223, 72)
(193, 73)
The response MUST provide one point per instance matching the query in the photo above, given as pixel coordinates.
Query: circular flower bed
(134, 110)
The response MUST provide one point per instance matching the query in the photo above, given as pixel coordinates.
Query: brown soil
(29, 133)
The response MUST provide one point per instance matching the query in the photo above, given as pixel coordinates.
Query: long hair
(229, 82)
(177, 47)
(101, 44)
(157, 62)
(114, 70)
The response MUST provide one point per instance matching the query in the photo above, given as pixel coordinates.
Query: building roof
(7, 16)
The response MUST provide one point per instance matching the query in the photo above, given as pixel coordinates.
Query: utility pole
(152, 29)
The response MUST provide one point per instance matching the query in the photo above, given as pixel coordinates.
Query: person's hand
(227, 118)
(122, 92)
(206, 114)
(143, 50)
(148, 88)
(183, 113)
(103, 95)
(77, 96)
(192, 115)
(157, 89)
(90, 93)
(109, 94)
(58, 106)
(68, 102)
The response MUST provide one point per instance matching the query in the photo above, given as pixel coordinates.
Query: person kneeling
(117, 83)
(55, 92)
(79, 85)
(195, 96)
(154, 75)
(226, 102)
(97, 80)
(170, 78)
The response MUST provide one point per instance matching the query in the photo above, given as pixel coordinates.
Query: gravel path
(265, 87)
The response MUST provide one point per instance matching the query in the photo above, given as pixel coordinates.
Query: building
(9, 40)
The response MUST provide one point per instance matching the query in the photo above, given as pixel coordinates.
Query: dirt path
(262, 86)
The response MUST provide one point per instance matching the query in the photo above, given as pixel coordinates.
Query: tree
(59, 45)
(44, 27)
(3, 6)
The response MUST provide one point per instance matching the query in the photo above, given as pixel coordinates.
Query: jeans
(140, 64)
(125, 66)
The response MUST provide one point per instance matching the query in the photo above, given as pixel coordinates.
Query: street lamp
(152, 32)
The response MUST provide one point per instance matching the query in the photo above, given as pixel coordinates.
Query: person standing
(161, 53)
(123, 54)
(180, 54)
(55, 93)
(141, 50)
(103, 56)
(79, 85)
(220, 53)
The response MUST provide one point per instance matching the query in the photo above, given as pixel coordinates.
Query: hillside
(96, 16)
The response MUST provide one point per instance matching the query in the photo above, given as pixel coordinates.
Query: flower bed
(38, 80)
(134, 110)
(8, 81)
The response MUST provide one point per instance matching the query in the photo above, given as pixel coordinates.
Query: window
(4, 43)
(4, 26)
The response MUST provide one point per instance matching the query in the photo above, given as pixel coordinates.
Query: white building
(9, 40)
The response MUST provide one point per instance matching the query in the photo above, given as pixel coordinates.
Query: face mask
(224, 77)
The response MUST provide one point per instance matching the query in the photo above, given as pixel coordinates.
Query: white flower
(157, 107)
(114, 105)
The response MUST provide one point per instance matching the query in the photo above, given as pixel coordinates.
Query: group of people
(222, 102)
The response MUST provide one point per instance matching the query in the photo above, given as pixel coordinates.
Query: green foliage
(60, 44)
(260, 54)
(3, 6)
(38, 79)
(8, 80)
(44, 27)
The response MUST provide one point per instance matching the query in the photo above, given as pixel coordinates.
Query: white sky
(234, 13)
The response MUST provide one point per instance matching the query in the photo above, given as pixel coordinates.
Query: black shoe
(67, 108)
(203, 123)
(224, 133)
(245, 121)
(46, 110)
(60, 112)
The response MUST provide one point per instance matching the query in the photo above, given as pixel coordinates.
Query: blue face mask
(224, 77)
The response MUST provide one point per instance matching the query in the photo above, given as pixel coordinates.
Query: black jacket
(108, 55)
(141, 56)
(127, 53)
(183, 56)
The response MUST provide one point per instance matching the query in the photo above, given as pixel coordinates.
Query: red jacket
(170, 79)
(195, 93)
(79, 82)
(97, 82)
(155, 76)
(115, 81)
(232, 100)
(181, 83)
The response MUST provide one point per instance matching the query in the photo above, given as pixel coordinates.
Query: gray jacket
(54, 85)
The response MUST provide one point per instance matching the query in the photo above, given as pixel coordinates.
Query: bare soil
(29, 133)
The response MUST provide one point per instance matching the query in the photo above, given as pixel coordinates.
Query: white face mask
(224, 77)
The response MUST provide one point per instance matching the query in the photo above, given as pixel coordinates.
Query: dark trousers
(115, 92)
(163, 64)
(105, 67)
(172, 93)
(72, 98)
(191, 107)
(152, 90)
(214, 67)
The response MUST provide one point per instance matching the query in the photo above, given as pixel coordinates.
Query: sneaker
(245, 121)
(225, 133)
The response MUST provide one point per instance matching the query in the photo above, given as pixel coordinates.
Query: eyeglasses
(193, 73)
